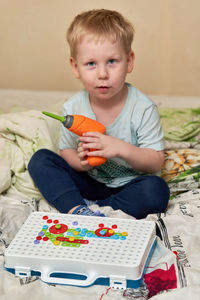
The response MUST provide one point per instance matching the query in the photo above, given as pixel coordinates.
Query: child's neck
(107, 111)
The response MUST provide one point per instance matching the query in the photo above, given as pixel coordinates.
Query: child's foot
(86, 211)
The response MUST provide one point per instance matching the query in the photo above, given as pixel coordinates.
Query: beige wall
(34, 53)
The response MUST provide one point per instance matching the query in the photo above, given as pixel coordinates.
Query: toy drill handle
(83, 124)
(79, 124)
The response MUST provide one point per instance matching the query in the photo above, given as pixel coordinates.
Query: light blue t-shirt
(138, 124)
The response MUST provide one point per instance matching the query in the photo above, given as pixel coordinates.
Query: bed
(174, 269)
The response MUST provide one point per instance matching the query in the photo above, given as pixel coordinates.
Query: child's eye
(112, 61)
(91, 64)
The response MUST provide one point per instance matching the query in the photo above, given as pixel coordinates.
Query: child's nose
(102, 72)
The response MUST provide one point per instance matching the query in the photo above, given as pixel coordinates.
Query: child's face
(102, 67)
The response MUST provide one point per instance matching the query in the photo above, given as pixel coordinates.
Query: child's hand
(82, 154)
(142, 159)
(104, 145)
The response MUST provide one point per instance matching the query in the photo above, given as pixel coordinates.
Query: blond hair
(103, 24)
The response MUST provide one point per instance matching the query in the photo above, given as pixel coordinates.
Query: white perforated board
(92, 246)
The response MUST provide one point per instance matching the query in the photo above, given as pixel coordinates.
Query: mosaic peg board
(118, 244)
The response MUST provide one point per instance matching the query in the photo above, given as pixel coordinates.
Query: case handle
(46, 277)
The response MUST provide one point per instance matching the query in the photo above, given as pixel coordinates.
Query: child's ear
(130, 60)
(74, 67)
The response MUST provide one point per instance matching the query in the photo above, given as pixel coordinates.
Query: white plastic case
(82, 251)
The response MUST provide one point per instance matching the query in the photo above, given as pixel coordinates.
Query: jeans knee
(157, 190)
(37, 159)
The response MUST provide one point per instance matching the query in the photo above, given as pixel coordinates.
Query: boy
(101, 56)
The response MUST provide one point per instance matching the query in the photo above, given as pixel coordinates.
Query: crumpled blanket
(181, 127)
(22, 134)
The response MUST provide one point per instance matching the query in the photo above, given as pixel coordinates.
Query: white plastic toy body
(82, 251)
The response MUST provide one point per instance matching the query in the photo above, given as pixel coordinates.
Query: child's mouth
(103, 88)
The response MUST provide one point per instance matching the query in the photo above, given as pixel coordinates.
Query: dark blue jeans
(66, 188)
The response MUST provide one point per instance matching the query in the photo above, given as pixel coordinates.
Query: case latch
(118, 282)
(22, 272)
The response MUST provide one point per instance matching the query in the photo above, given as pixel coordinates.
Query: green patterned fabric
(112, 170)
(181, 124)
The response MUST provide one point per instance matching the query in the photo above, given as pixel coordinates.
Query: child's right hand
(82, 154)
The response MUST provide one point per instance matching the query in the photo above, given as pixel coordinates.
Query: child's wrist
(122, 149)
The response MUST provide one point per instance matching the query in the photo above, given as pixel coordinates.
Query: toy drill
(79, 124)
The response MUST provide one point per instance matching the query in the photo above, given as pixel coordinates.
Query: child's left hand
(104, 145)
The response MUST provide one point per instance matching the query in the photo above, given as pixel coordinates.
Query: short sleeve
(67, 138)
(150, 133)
(77, 104)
